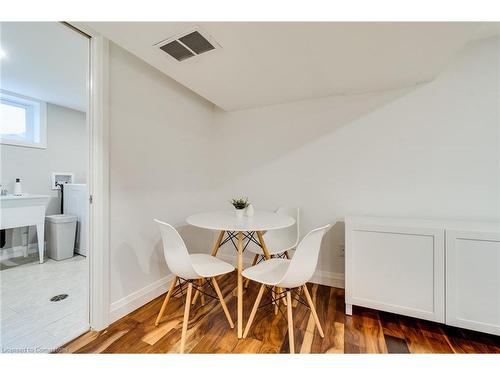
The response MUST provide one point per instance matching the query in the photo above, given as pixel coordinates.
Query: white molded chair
(279, 241)
(189, 268)
(289, 274)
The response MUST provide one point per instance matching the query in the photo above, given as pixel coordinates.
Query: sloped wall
(430, 151)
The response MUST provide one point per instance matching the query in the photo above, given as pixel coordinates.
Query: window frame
(36, 117)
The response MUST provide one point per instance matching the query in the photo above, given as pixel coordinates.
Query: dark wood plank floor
(366, 331)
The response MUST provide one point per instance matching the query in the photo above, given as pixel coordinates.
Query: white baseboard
(327, 278)
(138, 298)
(17, 251)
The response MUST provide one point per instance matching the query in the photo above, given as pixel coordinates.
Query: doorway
(46, 143)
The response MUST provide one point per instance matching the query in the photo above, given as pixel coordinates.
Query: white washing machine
(76, 202)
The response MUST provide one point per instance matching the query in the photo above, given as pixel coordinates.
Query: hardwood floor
(366, 331)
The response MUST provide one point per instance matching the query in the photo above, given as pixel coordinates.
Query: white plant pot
(249, 211)
(239, 213)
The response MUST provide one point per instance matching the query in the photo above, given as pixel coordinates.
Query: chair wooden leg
(202, 283)
(186, 316)
(255, 259)
(221, 299)
(275, 298)
(195, 298)
(165, 302)
(313, 311)
(291, 339)
(287, 255)
(295, 302)
(254, 310)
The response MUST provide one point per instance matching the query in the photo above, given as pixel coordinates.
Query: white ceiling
(261, 64)
(45, 60)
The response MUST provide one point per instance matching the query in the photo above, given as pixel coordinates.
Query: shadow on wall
(250, 138)
(196, 240)
(329, 255)
(122, 260)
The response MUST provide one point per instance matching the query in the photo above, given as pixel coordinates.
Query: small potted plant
(240, 204)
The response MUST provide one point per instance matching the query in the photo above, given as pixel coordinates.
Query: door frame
(98, 177)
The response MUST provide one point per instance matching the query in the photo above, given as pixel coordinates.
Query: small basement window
(23, 121)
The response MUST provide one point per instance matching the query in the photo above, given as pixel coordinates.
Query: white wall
(66, 152)
(431, 151)
(427, 152)
(160, 162)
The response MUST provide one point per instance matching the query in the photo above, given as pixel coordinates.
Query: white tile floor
(29, 321)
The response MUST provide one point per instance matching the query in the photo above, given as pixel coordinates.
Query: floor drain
(59, 297)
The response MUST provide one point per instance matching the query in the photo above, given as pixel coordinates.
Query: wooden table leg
(217, 243)
(240, 285)
(263, 245)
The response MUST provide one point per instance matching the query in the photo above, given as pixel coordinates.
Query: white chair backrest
(176, 253)
(286, 238)
(305, 259)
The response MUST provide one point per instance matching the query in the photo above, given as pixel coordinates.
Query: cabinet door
(397, 269)
(473, 280)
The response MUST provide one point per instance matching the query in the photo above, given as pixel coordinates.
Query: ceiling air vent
(177, 50)
(187, 45)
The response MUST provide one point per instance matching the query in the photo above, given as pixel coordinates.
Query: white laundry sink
(25, 210)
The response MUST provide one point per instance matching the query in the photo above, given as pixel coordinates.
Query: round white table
(228, 224)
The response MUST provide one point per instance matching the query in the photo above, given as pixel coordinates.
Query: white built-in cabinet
(447, 272)
(473, 280)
